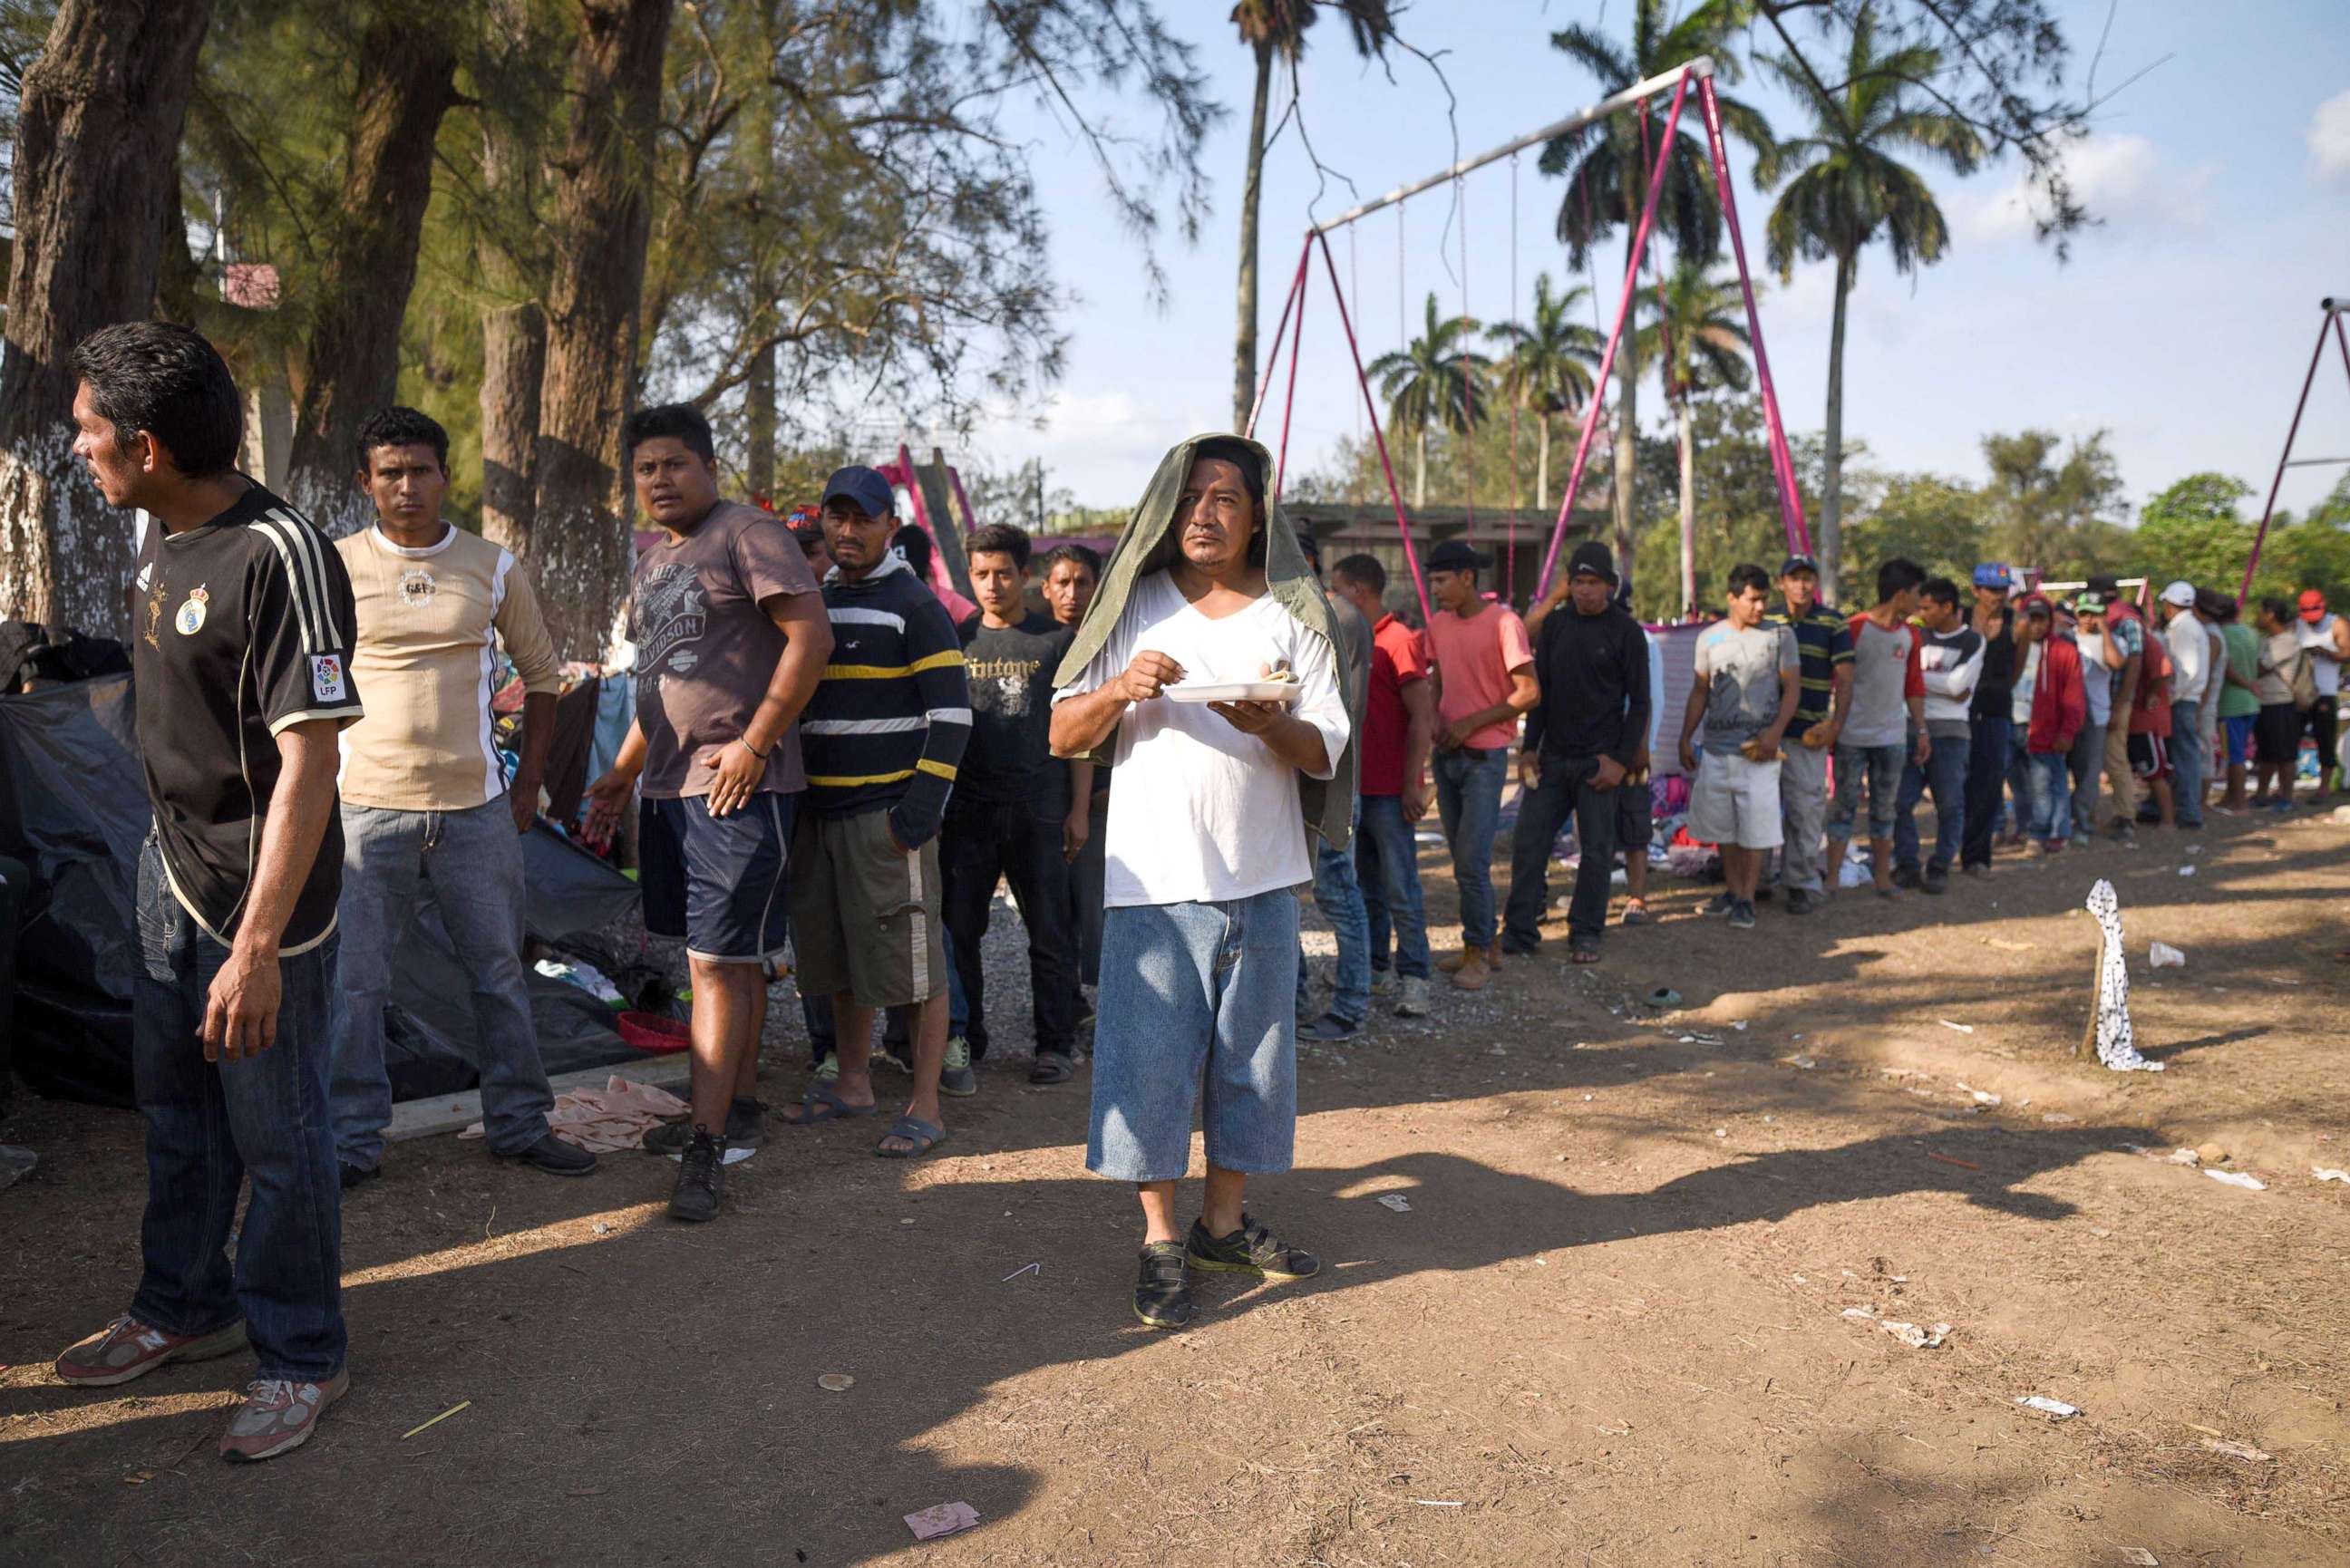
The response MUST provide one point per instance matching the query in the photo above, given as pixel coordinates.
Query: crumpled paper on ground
(616, 1117)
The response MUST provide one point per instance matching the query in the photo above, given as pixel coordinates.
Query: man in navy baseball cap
(863, 487)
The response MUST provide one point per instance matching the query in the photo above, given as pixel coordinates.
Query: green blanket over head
(1149, 544)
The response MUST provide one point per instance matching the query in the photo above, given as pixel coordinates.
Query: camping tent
(73, 806)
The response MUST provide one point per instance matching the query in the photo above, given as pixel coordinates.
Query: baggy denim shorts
(1196, 1007)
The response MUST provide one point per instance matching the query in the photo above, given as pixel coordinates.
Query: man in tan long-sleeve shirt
(424, 795)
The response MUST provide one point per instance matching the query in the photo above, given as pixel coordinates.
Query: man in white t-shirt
(2324, 639)
(1207, 843)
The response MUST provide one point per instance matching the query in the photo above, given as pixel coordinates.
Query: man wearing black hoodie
(1585, 738)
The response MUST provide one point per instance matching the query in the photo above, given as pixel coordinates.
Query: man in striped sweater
(882, 738)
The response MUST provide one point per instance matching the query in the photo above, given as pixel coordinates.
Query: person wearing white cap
(2191, 670)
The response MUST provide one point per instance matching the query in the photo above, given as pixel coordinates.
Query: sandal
(924, 1136)
(1051, 1067)
(1584, 951)
(1636, 913)
(823, 1104)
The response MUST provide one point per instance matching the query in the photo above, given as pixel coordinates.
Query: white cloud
(2329, 137)
(2121, 180)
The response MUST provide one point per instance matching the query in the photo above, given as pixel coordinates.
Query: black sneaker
(555, 1157)
(359, 1175)
(1742, 915)
(1906, 877)
(1936, 879)
(1162, 1292)
(746, 1127)
(1721, 904)
(1802, 901)
(1328, 1027)
(1251, 1250)
(701, 1180)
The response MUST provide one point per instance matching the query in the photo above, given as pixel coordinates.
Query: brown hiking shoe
(278, 1416)
(1474, 974)
(1450, 962)
(127, 1348)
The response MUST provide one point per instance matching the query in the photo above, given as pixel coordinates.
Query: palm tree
(1698, 342)
(1549, 365)
(1276, 29)
(1848, 189)
(1607, 179)
(1437, 379)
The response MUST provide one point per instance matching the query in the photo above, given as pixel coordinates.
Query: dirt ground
(1616, 1325)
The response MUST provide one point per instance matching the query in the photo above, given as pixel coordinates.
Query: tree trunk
(1542, 466)
(1831, 540)
(513, 335)
(1419, 471)
(96, 171)
(1252, 189)
(1689, 507)
(1622, 502)
(408, 77)
(602, 175)
(759, 419)
(513, 364)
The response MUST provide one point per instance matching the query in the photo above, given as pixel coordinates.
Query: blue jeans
(1945, 775)
(1876, 770)
(473, 859)
(1469, 783)
(1386, 871)
(2051, 819)
(1340, 898)
(210, 1125)
(2083, 765)
(1987, 750)
(2188, 755)
(1565, 791)
(1196, 1005)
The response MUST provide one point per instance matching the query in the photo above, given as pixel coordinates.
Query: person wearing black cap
(1587, 742)
(1823, 641)
(1484, 681)
(731, 641)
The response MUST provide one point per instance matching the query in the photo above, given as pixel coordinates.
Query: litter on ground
(944, 1519)
(2057, 1407)
(2237, 1179)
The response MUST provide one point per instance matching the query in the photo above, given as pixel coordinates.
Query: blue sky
(2181, 326)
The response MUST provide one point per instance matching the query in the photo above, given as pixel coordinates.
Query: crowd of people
(836, 760)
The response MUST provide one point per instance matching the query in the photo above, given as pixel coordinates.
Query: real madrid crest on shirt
(191, 619)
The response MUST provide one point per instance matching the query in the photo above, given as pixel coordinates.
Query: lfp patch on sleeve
(326, 676)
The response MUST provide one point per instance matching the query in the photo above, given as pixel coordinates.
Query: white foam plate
(1284, 692)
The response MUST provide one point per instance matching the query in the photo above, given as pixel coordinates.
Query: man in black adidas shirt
(241, 652)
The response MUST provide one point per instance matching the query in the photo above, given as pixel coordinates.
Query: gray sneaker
(957, 1077)
(1383, 982)
(1413, 1001)
(278, 1417)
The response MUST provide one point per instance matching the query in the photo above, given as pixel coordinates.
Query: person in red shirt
(1399, 725)
(2060, 707)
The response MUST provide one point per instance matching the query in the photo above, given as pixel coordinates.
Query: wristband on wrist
(755, 751)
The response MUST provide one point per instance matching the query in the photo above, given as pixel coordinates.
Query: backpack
(2304, 682)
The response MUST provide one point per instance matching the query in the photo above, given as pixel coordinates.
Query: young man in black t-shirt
(241, 651)
(1014, 814)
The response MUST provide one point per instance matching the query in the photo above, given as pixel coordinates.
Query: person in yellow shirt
(425, 799)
